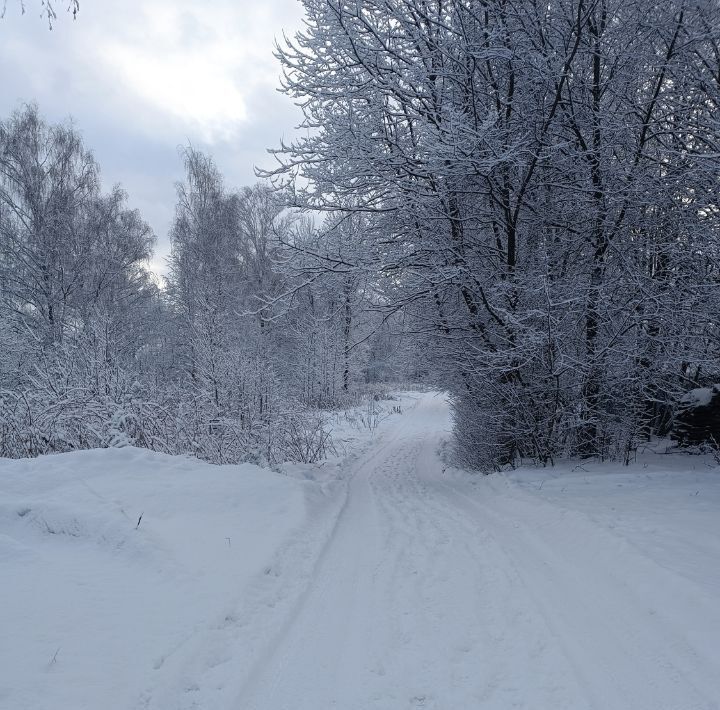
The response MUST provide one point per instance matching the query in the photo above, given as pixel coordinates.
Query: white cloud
(141, 79)
(187, 85)
(199, 66)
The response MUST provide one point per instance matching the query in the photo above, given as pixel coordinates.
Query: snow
(92, 608)
(701, 396)
(383, 579)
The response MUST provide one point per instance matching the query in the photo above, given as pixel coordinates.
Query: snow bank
(92, 605)
(665, 506)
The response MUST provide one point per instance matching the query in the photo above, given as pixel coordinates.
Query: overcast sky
(141, 79)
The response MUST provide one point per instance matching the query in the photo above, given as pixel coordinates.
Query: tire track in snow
(627, 654)
(407, 612)
(419, 592)
(494, 631)
(214, 662)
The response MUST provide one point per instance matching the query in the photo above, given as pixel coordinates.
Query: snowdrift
(93, 603)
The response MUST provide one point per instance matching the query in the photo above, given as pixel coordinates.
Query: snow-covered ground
(382, 580)
(91, 608)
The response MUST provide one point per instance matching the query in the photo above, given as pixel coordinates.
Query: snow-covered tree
(541, 183)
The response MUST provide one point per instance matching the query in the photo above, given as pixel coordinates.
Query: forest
(514, 202)
(232, 357)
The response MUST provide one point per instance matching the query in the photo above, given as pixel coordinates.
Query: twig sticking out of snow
(53, 660)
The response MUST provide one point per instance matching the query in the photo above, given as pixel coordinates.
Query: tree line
(232, 357)
(518, 202)
(538, 184)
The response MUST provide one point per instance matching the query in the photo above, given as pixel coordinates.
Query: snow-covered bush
(302, 437)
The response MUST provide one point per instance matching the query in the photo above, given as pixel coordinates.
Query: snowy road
(437, 593)
(382, 583)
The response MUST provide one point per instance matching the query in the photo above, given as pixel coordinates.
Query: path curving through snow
(453, 594)
(132, 580)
